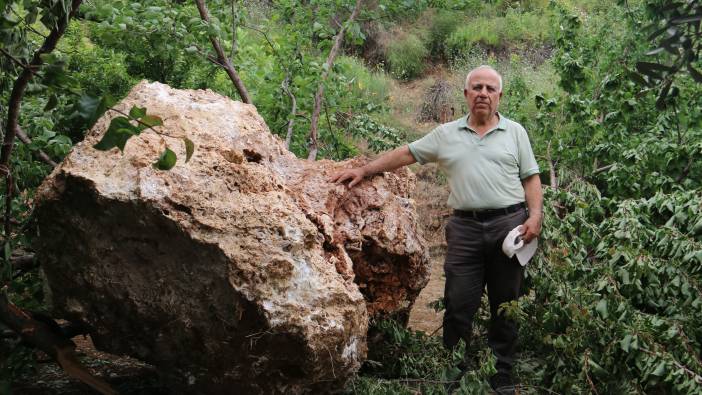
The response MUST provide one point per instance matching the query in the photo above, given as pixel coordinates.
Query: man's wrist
(536, 213)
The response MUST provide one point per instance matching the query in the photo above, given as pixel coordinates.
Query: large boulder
(241, 271)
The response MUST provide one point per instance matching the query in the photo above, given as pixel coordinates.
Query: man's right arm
(388, 161)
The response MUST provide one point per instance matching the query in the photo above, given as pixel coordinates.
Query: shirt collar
(501, 124)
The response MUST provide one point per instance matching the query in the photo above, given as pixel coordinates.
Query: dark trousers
(475, 260)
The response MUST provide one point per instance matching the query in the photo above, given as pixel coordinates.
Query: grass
(513, 30)
(374, 86)
(406, 57)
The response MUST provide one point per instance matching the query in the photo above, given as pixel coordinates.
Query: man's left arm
(535, 201)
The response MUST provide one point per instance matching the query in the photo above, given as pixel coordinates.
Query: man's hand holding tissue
(532, 226)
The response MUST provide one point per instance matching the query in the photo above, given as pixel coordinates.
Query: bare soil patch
(430, 197)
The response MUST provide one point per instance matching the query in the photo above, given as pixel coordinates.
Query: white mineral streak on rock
(241, 271)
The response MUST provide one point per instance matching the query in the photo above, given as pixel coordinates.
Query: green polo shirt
(485, 172)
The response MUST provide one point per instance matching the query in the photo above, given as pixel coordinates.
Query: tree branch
(41, 154)
(14, 104)
(338, 39)
(15, 60)
(222, 58)
(293, 110)
(603, 168)
(551, 168)
(45, 337)
(686, 170)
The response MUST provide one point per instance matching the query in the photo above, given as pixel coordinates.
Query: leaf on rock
(151, 120)
(167, 160)
(117, 134)
(189, 148)
(137, 112)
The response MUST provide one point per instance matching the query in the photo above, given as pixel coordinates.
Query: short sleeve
(426, 149)
(527, 161)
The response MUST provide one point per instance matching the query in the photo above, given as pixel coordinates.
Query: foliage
(676, 32)
(615, 305)
(442, 26)
(500, 32)
(406, 57)
(406, 361)
(380, 138)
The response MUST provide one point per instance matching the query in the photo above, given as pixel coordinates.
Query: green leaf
(625, 343)
(117, 134)
(697, 228)
(167, 160)
(90, 108)
(652, 69)
(189, 148)
(637, 78)
(660, 369)
(151, 120)
(602, 308)
(137, 112)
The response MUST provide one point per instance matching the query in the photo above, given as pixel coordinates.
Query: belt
(488, 213)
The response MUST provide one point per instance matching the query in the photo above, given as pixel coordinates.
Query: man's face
(483, 93)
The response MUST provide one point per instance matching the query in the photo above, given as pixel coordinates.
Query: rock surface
(241, 271)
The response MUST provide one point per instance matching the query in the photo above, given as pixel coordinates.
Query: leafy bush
(406, 57)
(374, 87)
(379, 137)
(443, 25)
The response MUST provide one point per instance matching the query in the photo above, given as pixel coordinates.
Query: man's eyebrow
(477, 84)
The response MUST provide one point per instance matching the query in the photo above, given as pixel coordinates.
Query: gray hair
(483, 67)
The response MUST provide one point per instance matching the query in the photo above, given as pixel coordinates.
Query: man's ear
(500, 94)
(465, 93)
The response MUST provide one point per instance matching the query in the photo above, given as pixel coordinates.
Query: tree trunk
(338, 39)
(222, 59)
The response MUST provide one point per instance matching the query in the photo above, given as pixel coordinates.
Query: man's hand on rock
(356, 175)
(531, 227)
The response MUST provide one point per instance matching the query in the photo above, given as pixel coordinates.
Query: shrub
(513, 29)
(406, 57)
(477, 31)
(442, 26)
(374, 87)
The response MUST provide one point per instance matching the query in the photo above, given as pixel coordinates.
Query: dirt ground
(423, 317)
(430, 198)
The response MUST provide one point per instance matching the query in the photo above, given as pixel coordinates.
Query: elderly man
(491, 171)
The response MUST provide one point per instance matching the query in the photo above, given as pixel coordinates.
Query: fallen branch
(223, 60)
(41, 154)
(320, 89)
(689, 372)
(45, 338)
